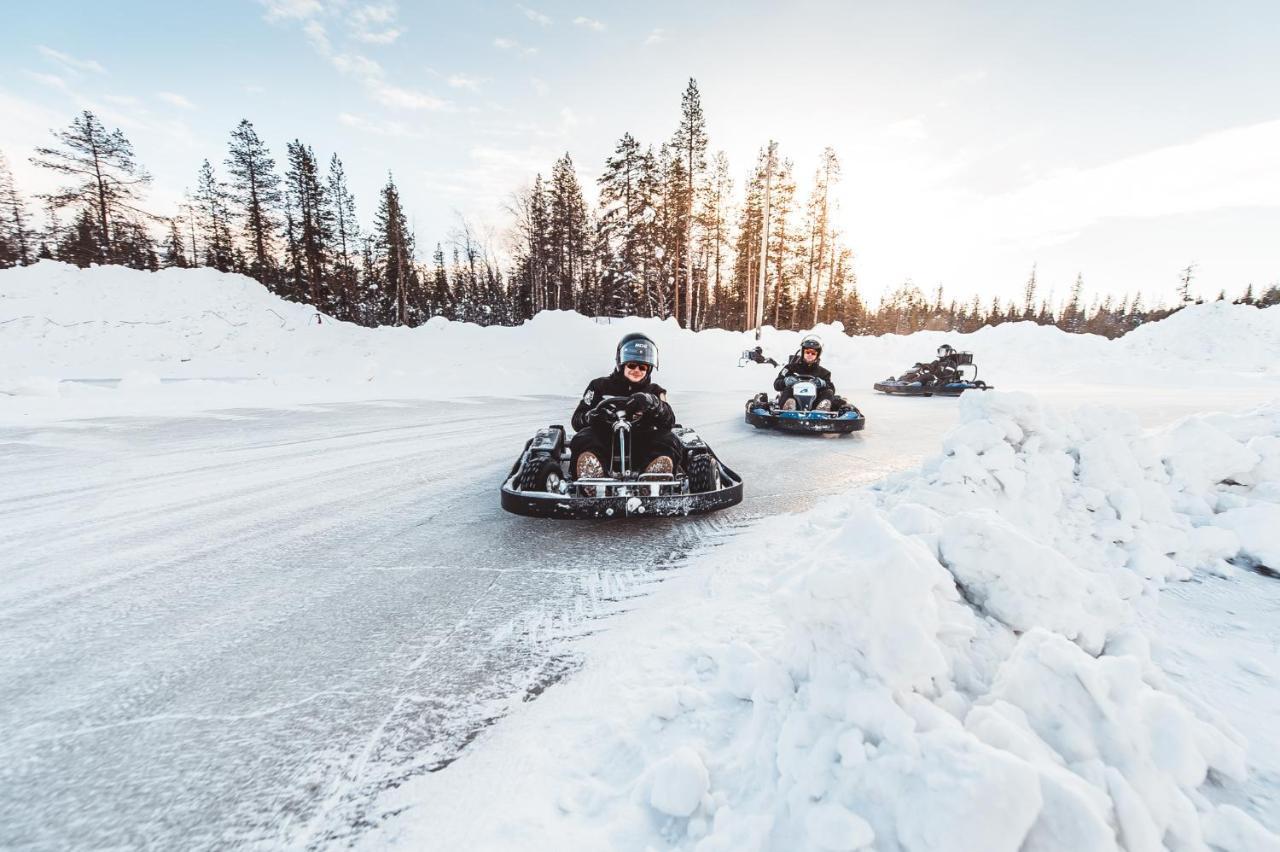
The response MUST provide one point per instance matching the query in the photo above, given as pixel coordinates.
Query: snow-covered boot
(589, 467)
(662, 464)
(789, 405)
(825, 405)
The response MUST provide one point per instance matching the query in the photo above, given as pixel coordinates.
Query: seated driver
(806, 362)
(653, 447)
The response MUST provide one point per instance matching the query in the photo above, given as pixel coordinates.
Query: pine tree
(313, 220)
(255, 190)
(215, 225)
(690, 146)
(174, 253)
(346, 238)
(623, 211)
(567, 234)
(393, 254)
(1029, 296)
(827, 175)
(715, 224)
(80, 244)
(104, 177)
(15, 235)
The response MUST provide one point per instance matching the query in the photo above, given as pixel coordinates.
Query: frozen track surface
(236, 629)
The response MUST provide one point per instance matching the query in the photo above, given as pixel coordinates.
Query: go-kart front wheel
(704, 473)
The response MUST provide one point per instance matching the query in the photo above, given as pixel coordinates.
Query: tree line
(668, 238)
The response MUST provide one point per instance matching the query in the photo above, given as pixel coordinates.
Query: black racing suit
(650, 436)
(938, 372)
(797, 367)
(757, 355)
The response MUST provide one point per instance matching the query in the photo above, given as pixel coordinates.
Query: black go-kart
(541, 484)
(843, 417)
(947, 376)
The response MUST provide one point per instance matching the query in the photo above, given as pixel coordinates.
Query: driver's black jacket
(616, 384)
(797, 367)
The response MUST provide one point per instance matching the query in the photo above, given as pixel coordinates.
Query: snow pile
(948, 661)
(212, 339)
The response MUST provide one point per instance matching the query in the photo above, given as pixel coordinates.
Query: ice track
(236, 629)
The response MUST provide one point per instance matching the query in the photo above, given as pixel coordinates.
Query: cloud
(1238, 167)
(255, 89)
(589, 23)
(357, 65)
(540, 86)
(374, 23)
(291, 10)
(534, 15)
(503, 43)
(567, 116)
(399, 98)
(378, 128)
(463, 81)
(655, 37)
(53, 81)
(69, 62)
(318, 36)
(175, 99)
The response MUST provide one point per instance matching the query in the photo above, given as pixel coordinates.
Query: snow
(991, 651)
(966, 633)
(70, 339)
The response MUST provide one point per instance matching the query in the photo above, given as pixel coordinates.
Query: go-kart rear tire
(704, 473)
(540, 473)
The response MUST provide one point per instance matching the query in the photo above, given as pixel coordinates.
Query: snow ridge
(948, 661)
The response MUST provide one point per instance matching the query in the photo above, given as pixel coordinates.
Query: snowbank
(214, 339)
(948, 661)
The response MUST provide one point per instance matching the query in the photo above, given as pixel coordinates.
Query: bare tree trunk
(764, 238)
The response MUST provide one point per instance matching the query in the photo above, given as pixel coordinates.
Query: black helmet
(811, 341)
(639, 348)
(944, 350)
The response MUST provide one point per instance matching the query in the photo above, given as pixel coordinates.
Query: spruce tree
(393, 255)
(312, 224)
(346, 238)
(255, 191)
(689, 144)
(215, 220)
(16, 239)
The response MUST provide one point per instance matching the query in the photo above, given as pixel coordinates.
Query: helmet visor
(638, 351)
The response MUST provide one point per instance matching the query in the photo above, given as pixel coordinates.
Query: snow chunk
(1027, 584)
(833, 827)
(679, 783)
(1258, 530)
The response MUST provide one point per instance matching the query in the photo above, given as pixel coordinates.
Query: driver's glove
(790, 380)
(641, 405)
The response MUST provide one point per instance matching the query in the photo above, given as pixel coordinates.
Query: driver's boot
(589, 467)
(662, 464)
(825, 405)
(789, 405)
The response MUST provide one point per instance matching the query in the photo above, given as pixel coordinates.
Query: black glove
(790, 380)
(598, 413)
(819, 383)
(642, 405)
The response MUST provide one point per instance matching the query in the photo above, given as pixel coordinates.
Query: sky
(1119, 142)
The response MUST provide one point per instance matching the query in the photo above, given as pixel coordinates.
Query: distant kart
(944, 377)
(843, 417)
(540, 483)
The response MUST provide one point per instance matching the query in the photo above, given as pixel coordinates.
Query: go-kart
(541, 483)
(943, 377)
(842, 417)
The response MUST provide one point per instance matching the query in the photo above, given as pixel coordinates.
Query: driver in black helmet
(654, 449)
(806, 362)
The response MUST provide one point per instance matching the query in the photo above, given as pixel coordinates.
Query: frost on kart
(843, 417)
(539, 483)
(948, 375)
